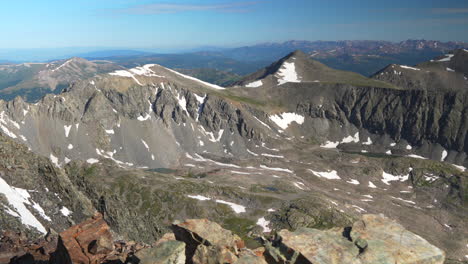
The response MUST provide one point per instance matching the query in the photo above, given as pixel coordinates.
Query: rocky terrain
(372, 239)
(294, 145)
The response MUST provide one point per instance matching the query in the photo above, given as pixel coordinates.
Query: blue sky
(191, 23)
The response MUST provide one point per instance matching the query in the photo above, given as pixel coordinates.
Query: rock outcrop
(373, 239)
(87, 243)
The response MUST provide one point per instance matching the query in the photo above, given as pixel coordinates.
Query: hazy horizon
(185, 24)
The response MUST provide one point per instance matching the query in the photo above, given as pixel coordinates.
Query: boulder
(86, 243)
(251, 257)
(307, 245)
(195, 232)
(213, 255)
(382, 240)
(15, 248)
(372, 239)
(168, 252)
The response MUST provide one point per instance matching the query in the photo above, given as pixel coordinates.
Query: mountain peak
(298, 67)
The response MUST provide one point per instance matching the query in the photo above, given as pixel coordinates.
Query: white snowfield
(125, 73)
(195, 79)
(17, 198)
(331, 175)
(254, 84)
(285, 119)
(287, 73)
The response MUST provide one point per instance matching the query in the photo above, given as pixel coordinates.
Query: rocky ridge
(373, 239)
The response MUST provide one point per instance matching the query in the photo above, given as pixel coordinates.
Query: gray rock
(169, 252)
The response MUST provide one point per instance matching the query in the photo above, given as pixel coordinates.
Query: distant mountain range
(362, 56)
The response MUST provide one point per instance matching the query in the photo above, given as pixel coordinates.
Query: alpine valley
(294, 145)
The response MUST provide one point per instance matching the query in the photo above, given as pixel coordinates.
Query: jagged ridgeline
(297, 144)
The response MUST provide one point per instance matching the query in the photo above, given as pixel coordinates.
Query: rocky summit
(372, 239)
(293, 163)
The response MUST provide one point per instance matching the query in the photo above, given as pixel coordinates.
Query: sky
(185, 24)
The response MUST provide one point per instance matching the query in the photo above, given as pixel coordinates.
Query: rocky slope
(372, 239)
(446, 73)
(147, 146)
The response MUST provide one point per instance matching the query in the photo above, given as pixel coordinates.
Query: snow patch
(65, 211)
(387, 177)
(199, 197)
(287, 73)
(54, 160)
(331, 175)
(92, 161)
(144, 118)
(17, 198)
(368, 142)
(254, 84)
(353, 181)
(264, 224)
(235, 207)
(283, 120)
(444, 155)
(409, 68)
(197, 80)
(448, 57)
(416, 156)
(276, 169)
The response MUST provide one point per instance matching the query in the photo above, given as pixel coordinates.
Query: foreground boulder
(86, 243)
(373, 239)
(168, 252)
(385, 241)
(207, 242)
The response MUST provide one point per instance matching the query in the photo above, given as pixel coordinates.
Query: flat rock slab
(389, 242)
(169, 252)
(308, 245)
(210, 233)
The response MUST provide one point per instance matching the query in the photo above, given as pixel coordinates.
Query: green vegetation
(241, 227)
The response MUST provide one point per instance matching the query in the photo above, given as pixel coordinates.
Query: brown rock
(85, 243)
